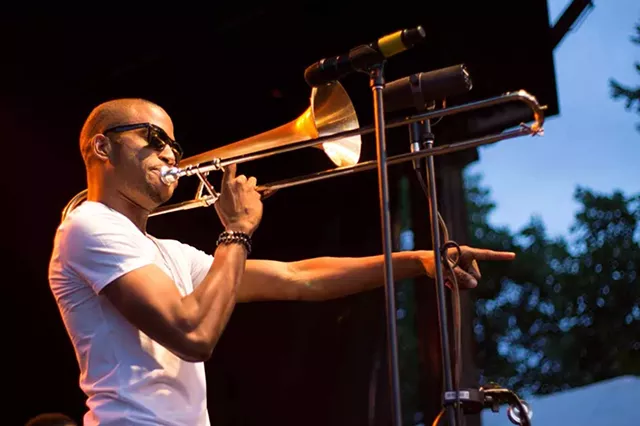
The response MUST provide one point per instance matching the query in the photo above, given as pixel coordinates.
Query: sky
(593, 142)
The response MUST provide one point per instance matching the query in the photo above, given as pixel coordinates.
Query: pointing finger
(485, 254)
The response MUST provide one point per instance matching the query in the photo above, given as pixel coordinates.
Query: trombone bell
(330, 111)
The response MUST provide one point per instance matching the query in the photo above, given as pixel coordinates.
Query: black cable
(450, 264)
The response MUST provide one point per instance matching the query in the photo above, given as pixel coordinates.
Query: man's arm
(323, 278)
(190, 326)
(326, 278)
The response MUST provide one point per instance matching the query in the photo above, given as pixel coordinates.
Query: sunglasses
(156, 137)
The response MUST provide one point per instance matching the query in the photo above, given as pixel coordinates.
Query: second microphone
(416, 91)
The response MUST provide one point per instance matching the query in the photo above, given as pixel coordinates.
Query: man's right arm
(189, 326)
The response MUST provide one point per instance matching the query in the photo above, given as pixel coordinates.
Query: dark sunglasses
(156, 137)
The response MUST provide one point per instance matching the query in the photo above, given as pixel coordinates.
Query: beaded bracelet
(230, 237)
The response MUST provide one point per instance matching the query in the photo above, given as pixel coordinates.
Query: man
(144, 313)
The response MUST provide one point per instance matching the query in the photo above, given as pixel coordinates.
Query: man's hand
(467, 272)
(239, 206)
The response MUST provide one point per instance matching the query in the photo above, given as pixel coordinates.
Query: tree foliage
(566, 311)
(630, 94)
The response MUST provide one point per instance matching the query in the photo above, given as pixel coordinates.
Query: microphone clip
(420, 131)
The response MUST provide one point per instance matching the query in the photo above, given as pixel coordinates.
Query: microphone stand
(420, 133)
(377, 82)
(456, 401)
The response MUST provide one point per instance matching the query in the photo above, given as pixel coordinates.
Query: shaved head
(123, 165)
(115, 113)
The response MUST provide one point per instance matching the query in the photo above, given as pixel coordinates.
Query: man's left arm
(323, 278)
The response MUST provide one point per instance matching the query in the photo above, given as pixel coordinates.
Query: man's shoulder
(91, 218)
(95, 243)
(93, 228)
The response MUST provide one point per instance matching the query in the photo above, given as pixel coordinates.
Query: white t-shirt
(128, 378)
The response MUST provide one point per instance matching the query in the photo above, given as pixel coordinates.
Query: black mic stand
(377, 82)
(422, 137)
(453, 398)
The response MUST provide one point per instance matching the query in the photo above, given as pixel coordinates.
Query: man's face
(139, 155)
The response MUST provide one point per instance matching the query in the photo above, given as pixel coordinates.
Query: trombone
(330, 124)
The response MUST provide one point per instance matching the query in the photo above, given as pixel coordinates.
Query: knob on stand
(513, 412)
(475, 400)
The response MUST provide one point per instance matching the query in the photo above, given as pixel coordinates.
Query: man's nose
(168, 156)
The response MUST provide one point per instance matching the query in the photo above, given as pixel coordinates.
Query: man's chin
(162, 196)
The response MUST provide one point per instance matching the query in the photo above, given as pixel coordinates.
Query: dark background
(225, 75)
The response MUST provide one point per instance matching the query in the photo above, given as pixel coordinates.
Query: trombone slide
(172, 174)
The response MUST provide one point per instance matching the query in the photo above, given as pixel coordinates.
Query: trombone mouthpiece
(169, 175)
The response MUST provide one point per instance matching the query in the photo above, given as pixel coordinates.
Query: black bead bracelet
(231, 237)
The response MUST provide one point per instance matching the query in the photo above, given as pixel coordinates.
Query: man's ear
(101, 147)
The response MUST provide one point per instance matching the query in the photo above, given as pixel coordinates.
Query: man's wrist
(427, 261)
(239, 227)
(235, 237)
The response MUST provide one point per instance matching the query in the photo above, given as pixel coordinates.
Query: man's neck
(122, 204)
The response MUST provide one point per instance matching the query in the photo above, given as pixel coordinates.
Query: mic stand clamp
(473, 401)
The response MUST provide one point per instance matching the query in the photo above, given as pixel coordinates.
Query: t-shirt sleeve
(100, 249)
(199, 262)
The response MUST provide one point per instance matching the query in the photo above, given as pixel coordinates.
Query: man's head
(124, 144)
(51, 419)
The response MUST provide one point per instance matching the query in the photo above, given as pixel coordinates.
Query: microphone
(418, 90)
(360, 58)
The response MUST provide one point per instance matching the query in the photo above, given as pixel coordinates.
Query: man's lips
(158, 170)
